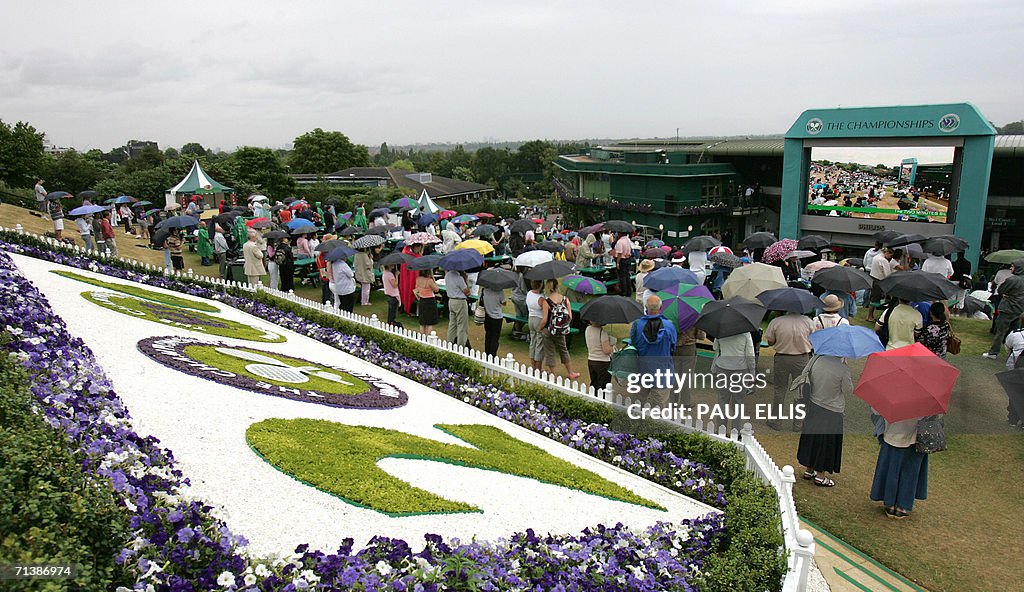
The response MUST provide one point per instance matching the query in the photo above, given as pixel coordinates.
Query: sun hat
(645, 265)
(832, 303)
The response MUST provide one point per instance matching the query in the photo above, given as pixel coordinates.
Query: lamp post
(661, 231)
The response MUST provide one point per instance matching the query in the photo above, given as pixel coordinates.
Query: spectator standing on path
(273, 269)
(1011, 305)
(457, 287)
(686, 361)
(881, 268)
(84, 224)
(492, 301)
(389, 277)
(556, 323)
(174, 243)
(107, 232)
(285, 259)
(203, 245)
(821, 440)
(363, 264)
(901, 472)
(599, 355)
(935, 335)
(344, 285)
(790, 335)
(220, 249)
(623, 255)
(902, 321)
(97, 233)
(253, 256)
(56, 213)
(426, 295)
(654, 337)
(40, 193)
(536, 316)
(832, 306)
(962, 277)
(734, 358)
(936, 263)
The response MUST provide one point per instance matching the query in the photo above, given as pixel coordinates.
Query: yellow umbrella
(482, 247)
(750, 280)
(208, 214)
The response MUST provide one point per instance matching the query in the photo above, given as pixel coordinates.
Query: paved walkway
(847, 569)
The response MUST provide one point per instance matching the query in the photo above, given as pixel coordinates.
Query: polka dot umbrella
(779, 250)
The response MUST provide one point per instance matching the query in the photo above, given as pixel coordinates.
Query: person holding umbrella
(492, 298)
(1011, 305)
(84, 224)
(790, 335)
(363, 269)
(273, 269)
(56, 213)
(882, 267)
(556, 323)
(900, 322)
(389, 277)
(174, 245)
(623, 255)
(342, 279)
(107, 233)
(731, 322)
(284, 257)
(457, 286)
(426, 297)
(654, 337)
(600, 344)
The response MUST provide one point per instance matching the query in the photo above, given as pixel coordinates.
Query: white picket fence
(798, 541)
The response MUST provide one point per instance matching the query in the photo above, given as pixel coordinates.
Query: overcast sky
(233, 73)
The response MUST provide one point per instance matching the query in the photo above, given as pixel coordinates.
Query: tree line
(522, 173)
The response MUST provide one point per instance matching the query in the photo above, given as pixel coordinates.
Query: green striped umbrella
(584, 284)
(682, 304)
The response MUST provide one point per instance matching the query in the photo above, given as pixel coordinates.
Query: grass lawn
(965, 536)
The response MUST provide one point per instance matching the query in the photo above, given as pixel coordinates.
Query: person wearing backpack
(556, 322)
(654, 337)
(830, 317)
(898, 323)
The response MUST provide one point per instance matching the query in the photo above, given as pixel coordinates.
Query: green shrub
(50, 511)
(569, 406)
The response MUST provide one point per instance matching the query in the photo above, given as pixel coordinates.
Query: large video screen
(874, 183)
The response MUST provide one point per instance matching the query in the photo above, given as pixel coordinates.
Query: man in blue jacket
(654, 337)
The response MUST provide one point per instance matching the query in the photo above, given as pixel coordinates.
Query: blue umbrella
(462, 260)
(142, 203)
(86, 210)
(669, 277)
(298, 223)
(178, 222)
(846, 341)
(339, 253)
(55, 195)
(427, 219)
(124, 199)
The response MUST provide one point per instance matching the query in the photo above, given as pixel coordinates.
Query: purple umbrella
(682, 304)
(584, 284)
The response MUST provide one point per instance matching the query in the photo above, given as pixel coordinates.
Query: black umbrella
(263, 224)
(611, 310)
(551, 246)
(337, 253)
(941, 245)
(618, 226)
(277, 208)
(305, 229)
(87, 194)
(395, 258)
(497, 278)
(55, 195)
(462, 260)
(884, 236)
(160, 237)
(725, 259)
(277, 234)
(701, 243)
(378, 213)
(654, 253)
(350, 230)
(918, 285)
(789, 300)
(523, 225)
(725, 318)
(596, 228)
(760, 240)
(381, 230)
(842, 279)
(328, 245)
(855, 262)
(1012, 382)
(225, 219)
(425, 262)
(956, 240)
(550, 270)
(485, 230)
(288, 200)
(813, 242)
(178, 222)
(905, 239)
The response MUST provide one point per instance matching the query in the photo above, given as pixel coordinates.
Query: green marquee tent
(196, 182)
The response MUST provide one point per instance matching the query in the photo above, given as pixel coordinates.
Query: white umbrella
(259, 198)
(533, 258)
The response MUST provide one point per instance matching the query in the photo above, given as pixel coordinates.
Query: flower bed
(746, 557)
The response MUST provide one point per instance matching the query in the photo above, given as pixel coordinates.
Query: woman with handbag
(901, 472)
(937, 333)
(826, 383)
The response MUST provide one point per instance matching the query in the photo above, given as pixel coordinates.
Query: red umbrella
(906, 382)
(484, 215)
(445, 214)
(539, 220)
(255, 220)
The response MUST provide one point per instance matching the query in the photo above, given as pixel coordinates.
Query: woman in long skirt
(901, 474)
(820, 450)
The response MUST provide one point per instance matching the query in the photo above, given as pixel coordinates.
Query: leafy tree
(149, 158)
(193, 150)
(326, 152)
(171, 153)
(491, 164)
(383, 156)
(145, 183)
(405, 165)
(21, 154)
(463, 173)
(1016, 127)
(74, 172)
(263, 169)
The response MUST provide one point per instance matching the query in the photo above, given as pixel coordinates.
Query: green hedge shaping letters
(140, 292)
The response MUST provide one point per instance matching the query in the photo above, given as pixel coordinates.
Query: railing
(798, 542)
